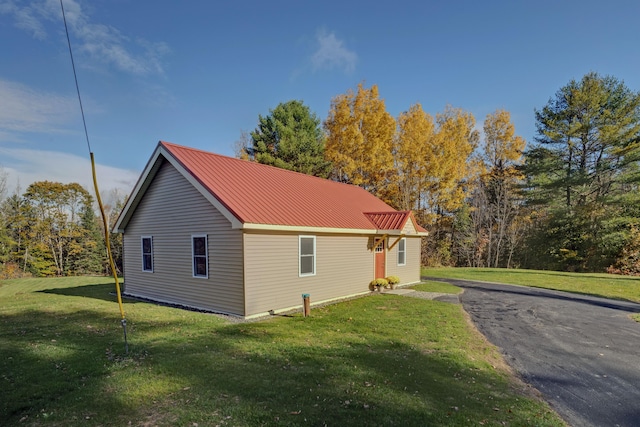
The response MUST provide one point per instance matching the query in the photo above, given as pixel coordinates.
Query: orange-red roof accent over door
(260, 194)
(392, 220)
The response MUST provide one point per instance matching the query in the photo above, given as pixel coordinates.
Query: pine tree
(584, 169)
(290, 137)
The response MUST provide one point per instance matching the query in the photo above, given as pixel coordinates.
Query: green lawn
(377, 360)
(434, 286)
(605, 285)
(597, 284)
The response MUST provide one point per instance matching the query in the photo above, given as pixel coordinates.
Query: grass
(598, 284)
(377, 360)
(434, 286)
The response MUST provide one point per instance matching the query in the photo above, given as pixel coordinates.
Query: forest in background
(566, 201)
(53, 229)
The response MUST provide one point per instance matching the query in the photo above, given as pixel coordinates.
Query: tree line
(52, 230)
(567, 201)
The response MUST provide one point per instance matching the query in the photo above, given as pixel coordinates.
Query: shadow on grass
(104, 292)
(190, 368)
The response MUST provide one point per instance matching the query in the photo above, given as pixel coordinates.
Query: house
(227, 235)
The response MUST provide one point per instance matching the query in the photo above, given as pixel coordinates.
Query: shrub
(393, 280)
(378, 283)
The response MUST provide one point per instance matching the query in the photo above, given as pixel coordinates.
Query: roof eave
(401, 233)
(336, 230)
(306, 229)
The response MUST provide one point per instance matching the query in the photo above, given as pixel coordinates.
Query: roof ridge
(387, 212)
(254, 193)
(250, 194)
(168, 145)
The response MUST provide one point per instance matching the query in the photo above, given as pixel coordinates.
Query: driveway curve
(581, 352)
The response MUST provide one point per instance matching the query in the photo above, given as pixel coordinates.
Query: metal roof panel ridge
(263, 194)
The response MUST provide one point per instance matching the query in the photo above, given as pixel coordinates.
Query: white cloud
(26, 20)
(24, 110)
(24, 167)
(331, 53)
(99, 42)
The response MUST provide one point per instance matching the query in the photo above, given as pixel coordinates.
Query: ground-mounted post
(306, 305)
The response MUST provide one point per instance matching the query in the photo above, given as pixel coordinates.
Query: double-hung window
(147, 254)
(402, 251)
(307, 255)
(200, 255)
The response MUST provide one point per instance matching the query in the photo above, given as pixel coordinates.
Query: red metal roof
(392, 220)
(388, 220)
(260, 194)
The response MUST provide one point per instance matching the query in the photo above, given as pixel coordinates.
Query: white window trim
(402, 241)
(315, 255)
(142, 252)
(206, 255)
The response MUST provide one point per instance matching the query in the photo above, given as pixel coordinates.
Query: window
(402, 251)
(307, 251)
(147, 254)
(200, 259)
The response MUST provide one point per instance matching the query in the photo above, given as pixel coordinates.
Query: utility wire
(75, 76)
(105, 223)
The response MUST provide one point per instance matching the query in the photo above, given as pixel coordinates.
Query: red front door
(380, 261)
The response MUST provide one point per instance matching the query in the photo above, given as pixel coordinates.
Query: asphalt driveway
(581, 352)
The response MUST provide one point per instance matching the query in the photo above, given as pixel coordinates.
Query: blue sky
(197, 73)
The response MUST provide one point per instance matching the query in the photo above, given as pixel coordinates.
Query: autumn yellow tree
(413, 158)
(455, 140)
(496, 217)
(448, 168)
(502, 154)
(359, 139)
(502, 148)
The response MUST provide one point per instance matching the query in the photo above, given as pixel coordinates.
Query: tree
(14, 212)
(502, 155)
(290, 137)
(57, 237)
(360, 138)
(451, 169)
(91, 251)
(5, 239)
(413, 154)
(114, 203)
(3, 183)
(455, 141)
(629, 260)
(241, 146)
(583, 168)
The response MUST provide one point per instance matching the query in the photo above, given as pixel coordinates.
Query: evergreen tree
(290, 137)
(15, 214)
(583, 172)
(91, 243)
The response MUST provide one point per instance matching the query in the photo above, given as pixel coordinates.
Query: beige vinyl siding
(409, 228)
(344, 266)
(171, 211)
(410, 272)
